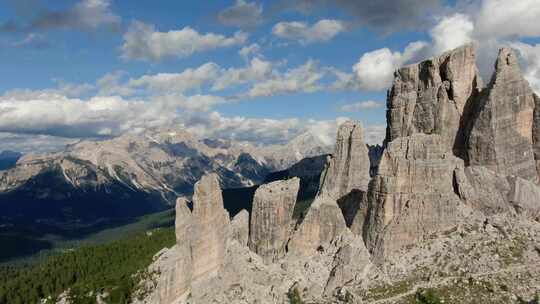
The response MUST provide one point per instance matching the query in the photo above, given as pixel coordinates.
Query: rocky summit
(449, 214)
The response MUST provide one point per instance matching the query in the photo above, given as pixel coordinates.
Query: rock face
(240, 227)
(210, 228)
(501, 136)
(177, 264)
(348, 167)
(493, 193)
(453, 198)
(347, 173)
(322, 224)
(433, 97)
(412, 196)
(271, 218)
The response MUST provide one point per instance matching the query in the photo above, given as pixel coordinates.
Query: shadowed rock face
(501, 136)
(210, 228)
(271, 218)
(432, 97)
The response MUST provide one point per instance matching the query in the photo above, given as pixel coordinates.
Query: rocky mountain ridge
(148, 170)
(451, 213)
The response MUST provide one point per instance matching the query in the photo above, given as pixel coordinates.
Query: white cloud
(530, 55)
(374, 134)
(360, 106)
(55, 114)
(110, 84)
(197, 103)
(143, 42)
(257, 70)
(250, 50)
(323, 30)
(304, 78)
(502, 18)
(242, 14)
(375, 70)
(261, 130)
(452, 32)
(178, 82)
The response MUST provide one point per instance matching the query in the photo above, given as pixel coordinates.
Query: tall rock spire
(348, 167)
(501, 135)
(210, 228)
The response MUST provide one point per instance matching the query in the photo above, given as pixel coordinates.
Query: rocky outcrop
(350, 263)
(271, 218)
(322, 224)
(240, 227)
(176, 284)
(493, 193)
(426, 218)
(348, 167)
(433, 97)
(412, 196)
(501, 136)
(210, 228)
(347, 172)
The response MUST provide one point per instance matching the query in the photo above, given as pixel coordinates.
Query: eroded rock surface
(348, 167)
(210, 228)
(240, 227)
(433, 96)
(412, 196)
(271, 218)
(322, 224)
(501, 136)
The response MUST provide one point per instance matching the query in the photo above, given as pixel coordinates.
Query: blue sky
(262, 71)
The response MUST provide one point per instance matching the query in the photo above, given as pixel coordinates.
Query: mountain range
(92, 183)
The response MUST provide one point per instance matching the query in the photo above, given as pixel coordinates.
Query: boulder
(271, 218)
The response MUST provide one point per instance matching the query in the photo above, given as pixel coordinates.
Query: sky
(258, 71)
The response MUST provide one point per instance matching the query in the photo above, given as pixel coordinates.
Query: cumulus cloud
(110, 84)
(503, 19)
(143, 42)
(530, 55)
(178, 82)
(321, 31)
(250, 50)
(375, 70)
(361, 106)
(257, 70)
(58, 115)
(452, 32)
(87, 15)
(305, 78)
(242, 14)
